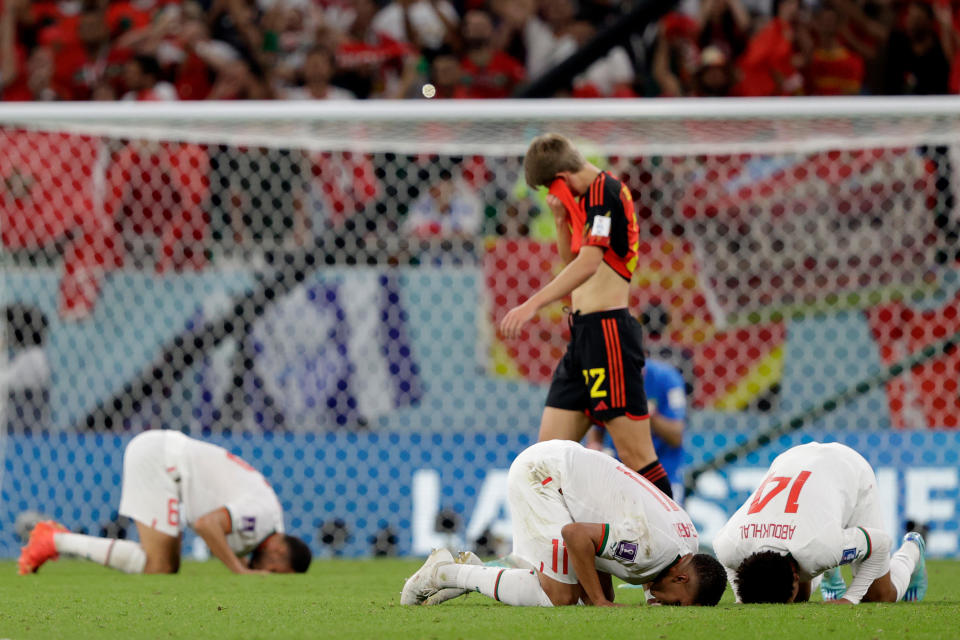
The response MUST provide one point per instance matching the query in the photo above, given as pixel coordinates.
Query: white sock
(902, 564)
(517, 587)
(122, 555)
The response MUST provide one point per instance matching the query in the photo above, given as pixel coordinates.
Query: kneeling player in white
(579, 517)
(816, 509)
(167, 475)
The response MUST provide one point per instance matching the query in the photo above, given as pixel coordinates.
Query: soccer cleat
(917, 588)
(464, 557)
(40, 547)
(421, 585)
(833, 586)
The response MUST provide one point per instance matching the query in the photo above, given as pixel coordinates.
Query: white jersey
(557, 482)
(169, 478)
(818, 503)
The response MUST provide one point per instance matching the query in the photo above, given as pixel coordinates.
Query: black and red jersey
(609, 222)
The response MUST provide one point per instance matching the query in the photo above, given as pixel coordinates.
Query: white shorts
(538, 511)
(151, 481)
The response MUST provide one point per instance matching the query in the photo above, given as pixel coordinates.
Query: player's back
(610, 224)
(807, 498)
(213, 477)
(599, 488)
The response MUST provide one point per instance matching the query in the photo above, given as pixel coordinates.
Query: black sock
(655, 473)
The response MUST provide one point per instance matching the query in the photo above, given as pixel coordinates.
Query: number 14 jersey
(818, 502)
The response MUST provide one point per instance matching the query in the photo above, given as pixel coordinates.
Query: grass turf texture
(360, 599)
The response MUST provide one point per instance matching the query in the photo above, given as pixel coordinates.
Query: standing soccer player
(169, 478)
(580, 517)
(601, 374)
(817, 509)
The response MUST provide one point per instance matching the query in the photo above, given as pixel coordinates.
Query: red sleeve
(598, 213)
(576, 216)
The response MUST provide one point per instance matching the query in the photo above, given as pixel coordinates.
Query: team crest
(249, 523)
(626, 551)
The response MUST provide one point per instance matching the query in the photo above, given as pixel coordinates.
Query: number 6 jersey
(818, 502)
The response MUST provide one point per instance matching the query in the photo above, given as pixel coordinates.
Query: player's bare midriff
(604, 290)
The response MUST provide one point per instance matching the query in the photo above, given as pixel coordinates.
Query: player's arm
(563, 229)
(606, 583)
(582, 540)
(873, 560)
(668, 429)
(667, 422)
(213, 527)
(573, 275)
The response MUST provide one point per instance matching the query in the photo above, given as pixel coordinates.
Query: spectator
(488, 72)
(724, 25)
(372, 63)
(41, 84)
(715, 75)
(235, 80)
(769, 67)
(833, 69)
(82, 65)
(548, 41)
(447, 77)
(676, 55)
(444, 219)
(426, 24)
(192, 78)
(918, 55)
(141, 77)
(318, 69)
(865, 30)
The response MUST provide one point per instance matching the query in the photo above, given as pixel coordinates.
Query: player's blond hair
(547, 156)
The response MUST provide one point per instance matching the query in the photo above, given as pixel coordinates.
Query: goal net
(317, 285)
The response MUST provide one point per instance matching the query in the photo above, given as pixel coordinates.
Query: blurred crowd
(342, 49)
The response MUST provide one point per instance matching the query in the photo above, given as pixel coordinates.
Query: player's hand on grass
(513, 322)
(838, 601)
(607, 603)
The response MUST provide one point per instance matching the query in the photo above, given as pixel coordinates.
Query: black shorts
(601, 373)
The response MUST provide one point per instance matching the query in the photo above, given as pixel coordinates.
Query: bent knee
(161, 566)
(564, 599)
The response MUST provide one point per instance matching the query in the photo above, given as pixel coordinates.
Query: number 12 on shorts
(760, 501)
(598, 376)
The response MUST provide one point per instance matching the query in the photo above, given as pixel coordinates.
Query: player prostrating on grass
(816, 509)
(580, 517)
(601, 374)
(169, 479)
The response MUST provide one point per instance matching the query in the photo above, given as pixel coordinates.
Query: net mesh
(260, 272)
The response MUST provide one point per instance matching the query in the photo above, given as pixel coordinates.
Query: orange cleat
(40, 547)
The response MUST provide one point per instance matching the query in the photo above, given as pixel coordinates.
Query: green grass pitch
(360, 599)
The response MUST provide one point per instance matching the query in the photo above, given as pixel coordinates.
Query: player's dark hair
(712, 578)
(765, 577)
(299, 552)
